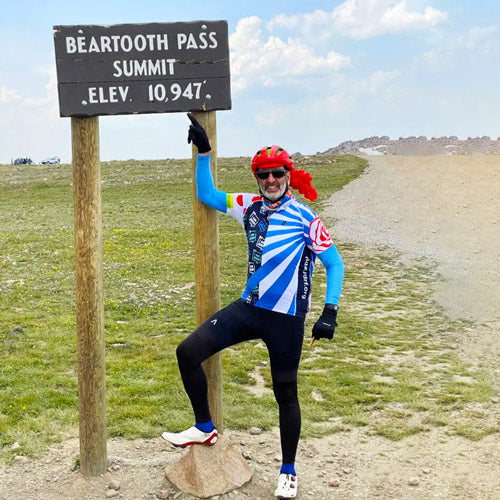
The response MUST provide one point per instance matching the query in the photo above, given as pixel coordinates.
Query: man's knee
(193, 350)
(285, 392)
(187, 353)
(182, 353)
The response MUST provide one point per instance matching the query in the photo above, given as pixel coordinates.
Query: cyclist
(284, 237)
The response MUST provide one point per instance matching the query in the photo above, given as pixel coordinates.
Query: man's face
(273, 182)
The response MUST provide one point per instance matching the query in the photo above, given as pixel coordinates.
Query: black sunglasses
(277, 174)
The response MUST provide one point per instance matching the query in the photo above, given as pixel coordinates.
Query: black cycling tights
(283, 335)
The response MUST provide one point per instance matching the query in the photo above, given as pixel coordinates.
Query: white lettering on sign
(116, 43)
(189, 41)
(162, 93)
(142, 68)
(146, 67)
(103, 95)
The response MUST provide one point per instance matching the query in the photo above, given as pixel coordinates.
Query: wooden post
(206, 249)
(89, 295)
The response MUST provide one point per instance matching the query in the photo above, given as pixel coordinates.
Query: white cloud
(334, 103)
(479, 39)
(315, 25)
(379, 86)
(7, 95)
(380, 82)
(398, 19)
(270, 62)
(453, 51)
(361, 19)
(272, 115)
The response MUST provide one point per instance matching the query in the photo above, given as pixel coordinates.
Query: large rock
(206, 471)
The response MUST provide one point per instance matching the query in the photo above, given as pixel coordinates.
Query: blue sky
(304, 75)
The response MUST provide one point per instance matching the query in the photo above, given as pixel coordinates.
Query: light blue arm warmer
(334, 266)
(205, 188)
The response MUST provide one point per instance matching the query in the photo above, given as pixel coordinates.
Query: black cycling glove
(198, 136)
(324, 328)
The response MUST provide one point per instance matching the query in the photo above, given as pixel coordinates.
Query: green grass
(390, 369)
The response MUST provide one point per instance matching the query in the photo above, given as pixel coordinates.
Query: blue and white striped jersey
(283, 240)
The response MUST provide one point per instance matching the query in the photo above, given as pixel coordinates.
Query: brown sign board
(142, 68)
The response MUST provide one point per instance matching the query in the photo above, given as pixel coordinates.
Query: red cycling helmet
(274, 156)
(270, 157)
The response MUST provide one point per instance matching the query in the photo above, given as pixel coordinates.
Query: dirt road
(444, 208)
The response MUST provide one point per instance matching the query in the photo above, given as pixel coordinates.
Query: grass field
(389, 369)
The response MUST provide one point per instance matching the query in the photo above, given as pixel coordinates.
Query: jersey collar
(284, 200)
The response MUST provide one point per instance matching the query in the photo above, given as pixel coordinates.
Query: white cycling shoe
(287, 486)
(193, 435)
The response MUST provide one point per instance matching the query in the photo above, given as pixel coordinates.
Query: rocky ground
(443, 208)
(411, 146)
(346, 466)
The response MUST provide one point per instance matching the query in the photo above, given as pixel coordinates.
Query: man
(284, 238)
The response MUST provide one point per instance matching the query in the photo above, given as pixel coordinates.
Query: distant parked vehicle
(22, 161)
(54, 160)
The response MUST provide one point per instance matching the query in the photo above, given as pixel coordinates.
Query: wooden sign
(142, 68)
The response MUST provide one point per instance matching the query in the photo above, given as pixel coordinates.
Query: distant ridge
(415, 146)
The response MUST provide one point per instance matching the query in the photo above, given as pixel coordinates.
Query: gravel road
(446, 208)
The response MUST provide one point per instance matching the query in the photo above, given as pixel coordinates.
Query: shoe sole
(208, 442)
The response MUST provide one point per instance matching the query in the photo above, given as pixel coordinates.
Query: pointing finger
(194, 121)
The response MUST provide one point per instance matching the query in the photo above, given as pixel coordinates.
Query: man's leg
(191, 352)
(289, 419)
(290, 422)
(285, 348)
(229, 326)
